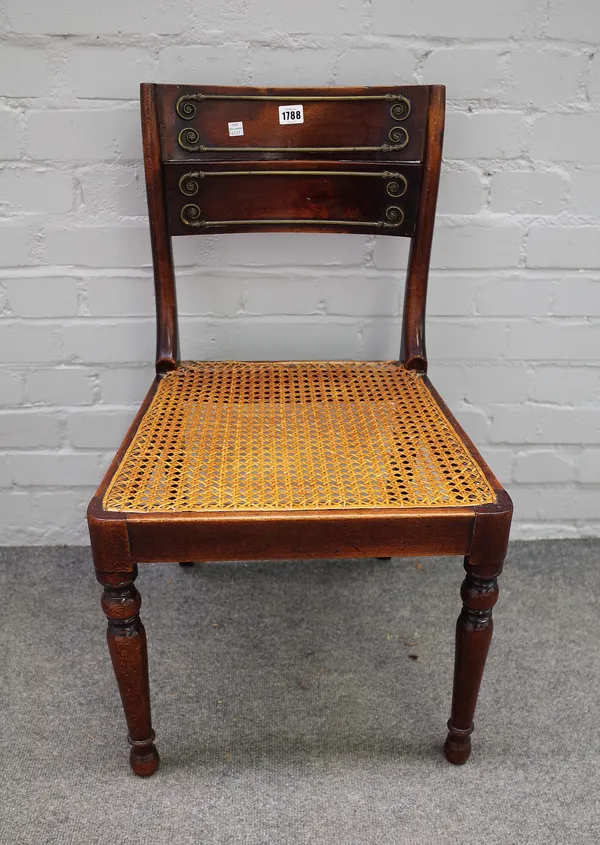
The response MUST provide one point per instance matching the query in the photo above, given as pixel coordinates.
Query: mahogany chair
(246, 461)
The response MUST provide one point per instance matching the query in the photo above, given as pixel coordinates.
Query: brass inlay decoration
(294, 436)
(191, 215)
(186, 108)
(401, 109)
(398, 136)
(188, 139)
(396, 187)
(395, 215)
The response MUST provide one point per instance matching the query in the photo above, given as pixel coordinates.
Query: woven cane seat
(238, 436)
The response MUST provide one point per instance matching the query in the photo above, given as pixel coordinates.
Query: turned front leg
(473, 636)
(126, 639)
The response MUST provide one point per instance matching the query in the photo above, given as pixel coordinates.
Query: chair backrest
(360, 160)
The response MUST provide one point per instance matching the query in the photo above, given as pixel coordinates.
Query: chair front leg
(126, 639)
(474, 628)
(473, 637)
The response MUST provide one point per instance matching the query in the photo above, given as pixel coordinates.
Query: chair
(232, 460)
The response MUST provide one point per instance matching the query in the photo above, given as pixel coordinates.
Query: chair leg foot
(457, 748)
(186, 563)
(143, 758)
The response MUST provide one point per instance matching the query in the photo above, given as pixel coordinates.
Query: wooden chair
(248, 461)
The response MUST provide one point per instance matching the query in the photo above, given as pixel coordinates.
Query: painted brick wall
(514, 329)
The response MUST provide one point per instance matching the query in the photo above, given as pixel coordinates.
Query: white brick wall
(514, 334)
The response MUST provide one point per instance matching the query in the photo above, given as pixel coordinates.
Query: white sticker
(291, 114)
(236, 128)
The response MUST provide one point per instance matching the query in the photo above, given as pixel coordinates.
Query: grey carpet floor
(289, 706)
